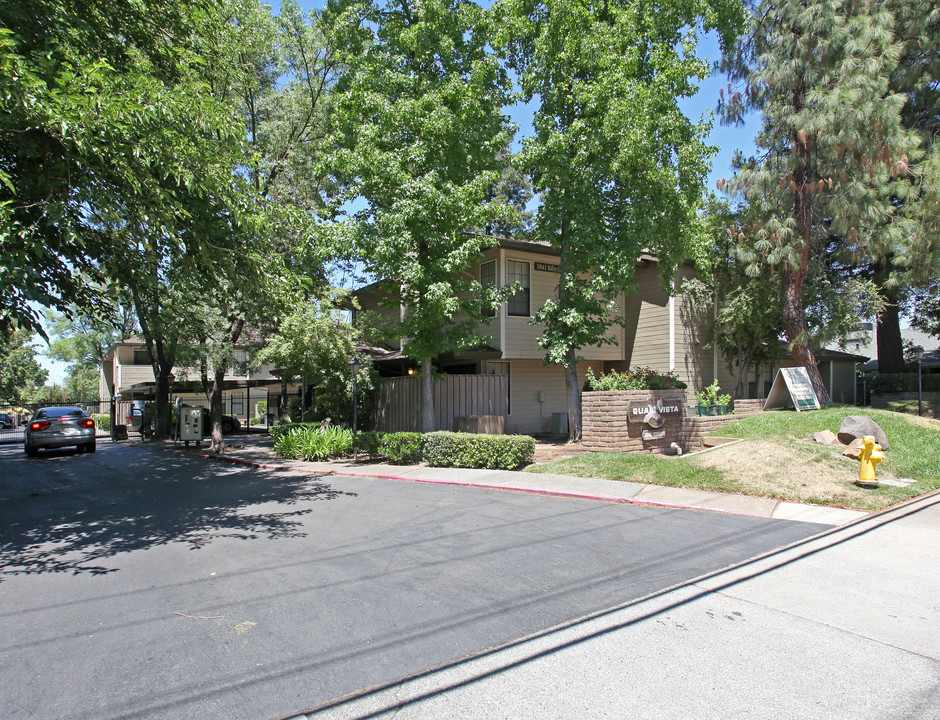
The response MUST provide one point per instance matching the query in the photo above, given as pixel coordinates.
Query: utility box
(560, 423)
(190, 423)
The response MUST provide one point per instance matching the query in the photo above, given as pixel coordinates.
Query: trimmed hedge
(470, 450)
(306, 441)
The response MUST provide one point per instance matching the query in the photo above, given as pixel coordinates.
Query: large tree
(832, 152)
(423, 124)
(619, 167)
(102, 105)
(905, 251)
(20, 371)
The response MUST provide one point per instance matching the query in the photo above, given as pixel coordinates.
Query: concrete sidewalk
(256, 450)
(844, 625)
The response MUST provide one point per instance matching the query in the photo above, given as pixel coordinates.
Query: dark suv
(6, 421)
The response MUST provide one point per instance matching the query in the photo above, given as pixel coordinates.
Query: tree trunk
(573, 390)
(888, 334)
(794, 323)
(162, 402)
(215, 410)
(427, 396)
(794, 317)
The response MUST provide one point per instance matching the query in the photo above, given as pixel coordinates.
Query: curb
(483, 486)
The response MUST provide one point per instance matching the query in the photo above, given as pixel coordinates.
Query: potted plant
(710, 402)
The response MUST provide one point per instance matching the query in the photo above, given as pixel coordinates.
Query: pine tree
(833, 150)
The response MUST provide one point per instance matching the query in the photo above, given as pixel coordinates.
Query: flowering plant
(640, 378)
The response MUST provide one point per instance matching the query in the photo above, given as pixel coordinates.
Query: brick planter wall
(605, 425)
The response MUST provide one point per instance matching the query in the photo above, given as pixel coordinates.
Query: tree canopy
(421, 113)
(103, 108)
(619, 167)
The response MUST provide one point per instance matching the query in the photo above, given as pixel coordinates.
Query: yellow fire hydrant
(871, 455)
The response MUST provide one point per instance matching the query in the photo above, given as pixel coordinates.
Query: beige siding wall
(695, 356)
(527, 378)
(647, 322)
(520, 336)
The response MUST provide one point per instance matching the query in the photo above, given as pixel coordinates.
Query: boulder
(854, 449)
(858, 426)
(826, 437)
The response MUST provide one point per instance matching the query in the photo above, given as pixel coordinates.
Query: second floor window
(487, 279)
(518, 272)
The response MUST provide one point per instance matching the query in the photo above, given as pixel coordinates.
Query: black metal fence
(14, 418)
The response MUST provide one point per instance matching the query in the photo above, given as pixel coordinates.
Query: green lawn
(780, 459)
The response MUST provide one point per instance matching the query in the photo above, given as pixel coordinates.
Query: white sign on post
(792, 386)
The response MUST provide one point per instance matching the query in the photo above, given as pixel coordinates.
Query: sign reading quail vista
(654, 411)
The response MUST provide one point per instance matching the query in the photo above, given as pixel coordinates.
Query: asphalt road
(139, 582)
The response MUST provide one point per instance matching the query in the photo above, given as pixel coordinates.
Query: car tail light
(40, 425)
(86, 422)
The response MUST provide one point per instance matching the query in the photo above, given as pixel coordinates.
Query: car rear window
(61, 412)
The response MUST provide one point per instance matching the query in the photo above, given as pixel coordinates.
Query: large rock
(854, 449)
(857, 426)
(826, 437)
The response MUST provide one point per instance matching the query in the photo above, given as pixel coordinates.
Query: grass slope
(780, 459)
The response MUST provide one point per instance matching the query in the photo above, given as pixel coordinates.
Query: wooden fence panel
(398, 401)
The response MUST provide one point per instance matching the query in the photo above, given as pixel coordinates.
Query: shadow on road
(67, 513)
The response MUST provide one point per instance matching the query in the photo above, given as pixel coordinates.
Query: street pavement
(256, 450)
(842, 625)
(145, 582)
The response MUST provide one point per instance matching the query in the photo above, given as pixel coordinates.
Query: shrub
(902, 382)
(401, 448)
(369, 443)
(313, 443)
(470, 450)
(102, 421)
(283, 428)
(640, 378)
(710, 396)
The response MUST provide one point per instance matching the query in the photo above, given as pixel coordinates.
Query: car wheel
(30, 451)
(90, 447)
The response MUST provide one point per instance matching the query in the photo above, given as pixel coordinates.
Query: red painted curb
(484, 486)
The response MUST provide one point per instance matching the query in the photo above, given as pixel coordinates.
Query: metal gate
(14, 418)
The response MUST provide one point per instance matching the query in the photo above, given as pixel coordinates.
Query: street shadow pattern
(75, 513)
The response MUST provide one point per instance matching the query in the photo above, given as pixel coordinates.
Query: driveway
(141, 582)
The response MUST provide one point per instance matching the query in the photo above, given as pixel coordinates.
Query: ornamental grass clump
(314, 444)
(640, 378)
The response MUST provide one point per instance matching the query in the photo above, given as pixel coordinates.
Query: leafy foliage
(104, 113)
(313, 443)
(639, 378)
(710, 396)
(834, 155)
(618, 165)
(902, 382)
(20, 371)
(470, 450)
(421, 115)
